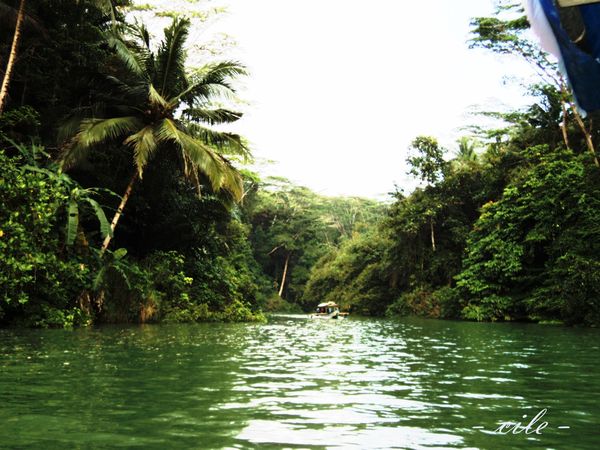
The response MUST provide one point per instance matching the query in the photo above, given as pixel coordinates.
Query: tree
(21, 17)
(506, 33)
(155, 106)
(288, 232)
(466, 155)
(429, 166)
(13, 55)
(533, 254)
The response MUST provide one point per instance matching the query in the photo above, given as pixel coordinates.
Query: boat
(328, 310)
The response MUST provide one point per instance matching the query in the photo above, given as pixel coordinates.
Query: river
(298, 383)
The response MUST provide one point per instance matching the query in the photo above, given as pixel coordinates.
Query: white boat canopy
(323, 305)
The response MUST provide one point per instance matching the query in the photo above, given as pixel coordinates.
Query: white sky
(338, 88)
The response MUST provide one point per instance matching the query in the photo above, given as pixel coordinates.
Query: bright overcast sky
(338, 88)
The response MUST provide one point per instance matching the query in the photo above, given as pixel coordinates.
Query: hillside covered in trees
(504, 227)
(124, 201)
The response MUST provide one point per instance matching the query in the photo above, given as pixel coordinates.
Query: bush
(39, 277)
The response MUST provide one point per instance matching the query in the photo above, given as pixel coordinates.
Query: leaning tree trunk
(117, 215)
(432, 234)
(285, 268)
(579, 120)
(588, 135)
(12, 57)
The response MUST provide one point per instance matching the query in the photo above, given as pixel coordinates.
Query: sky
(339, 88)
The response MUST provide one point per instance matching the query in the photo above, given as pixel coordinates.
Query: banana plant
(114, 264)
(79, 199)
(83, 198)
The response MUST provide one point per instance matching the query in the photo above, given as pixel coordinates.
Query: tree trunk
(563, 125)
(285, 268)
(117, 215)
(432, 234)
(587, 133)
(13, 55)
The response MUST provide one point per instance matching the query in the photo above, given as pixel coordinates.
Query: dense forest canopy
(123, 201)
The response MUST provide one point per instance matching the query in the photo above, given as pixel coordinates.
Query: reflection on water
(294, 383)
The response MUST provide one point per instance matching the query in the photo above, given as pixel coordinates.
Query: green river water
(299, 383)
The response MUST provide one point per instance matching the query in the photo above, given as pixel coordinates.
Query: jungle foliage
(505, 229)
(98, 122)
(90, 94)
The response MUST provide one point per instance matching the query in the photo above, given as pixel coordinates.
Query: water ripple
(294, 382)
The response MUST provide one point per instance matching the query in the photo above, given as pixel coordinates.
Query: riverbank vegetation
(505, 227)
(123, 200)
(95, 107)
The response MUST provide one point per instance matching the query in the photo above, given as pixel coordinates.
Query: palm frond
(70, 126)
(109, 8)
(144, 145)
(139, 31)
(96, 131)
(203, 94)
(170, 58)
(220, 72)
(212, 80)
(226, 143)
(220, 173)
(212, 116)
(134, 59)
(121, 92)
(157, 99)
(232, 180)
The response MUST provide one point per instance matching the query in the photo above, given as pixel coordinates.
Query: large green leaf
(120, 253)
(104, 224)
(72, 220)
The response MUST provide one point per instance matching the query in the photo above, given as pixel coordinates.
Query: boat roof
(321, 305)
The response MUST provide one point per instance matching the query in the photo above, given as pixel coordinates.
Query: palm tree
(466, 155)
(158, 107)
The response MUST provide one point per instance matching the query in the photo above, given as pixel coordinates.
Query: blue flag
(581, 62)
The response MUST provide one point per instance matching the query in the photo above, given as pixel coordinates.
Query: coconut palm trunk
(13, 56)
(119, 212)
